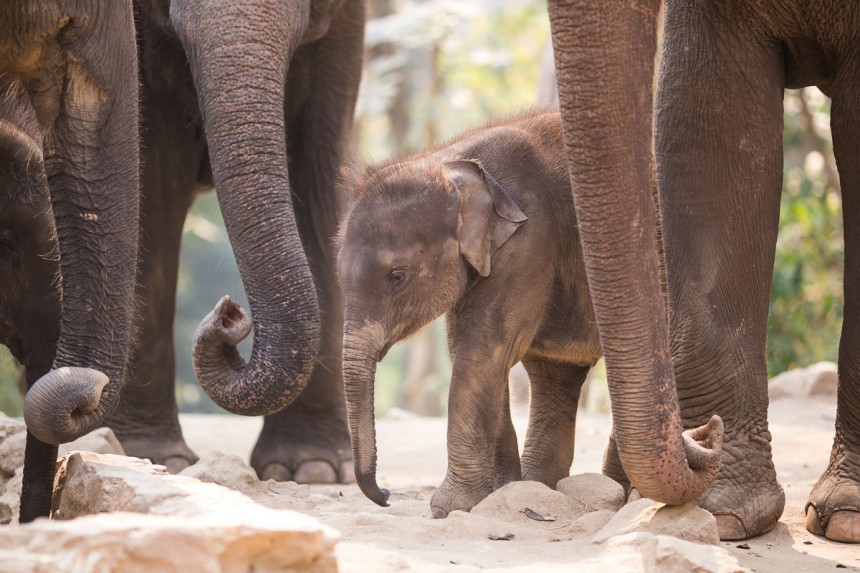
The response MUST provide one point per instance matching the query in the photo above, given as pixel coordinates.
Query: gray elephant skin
(718, 145)
(483, 230)
(68, 213)
(255, 98)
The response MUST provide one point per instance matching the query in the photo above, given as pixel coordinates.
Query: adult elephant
(256, 98)
(68, 217)
(718, 135)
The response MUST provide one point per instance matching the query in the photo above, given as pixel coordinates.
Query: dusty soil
(412, 461)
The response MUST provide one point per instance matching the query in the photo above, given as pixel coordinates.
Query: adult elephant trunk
(239, 52)
(92, 172)
(362, 342)
(605, 61)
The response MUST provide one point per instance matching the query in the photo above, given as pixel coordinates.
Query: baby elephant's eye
(396, 278)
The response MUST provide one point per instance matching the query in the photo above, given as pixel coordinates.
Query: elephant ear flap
(487, 214)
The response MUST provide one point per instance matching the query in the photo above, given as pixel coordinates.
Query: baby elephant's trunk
(361, 343)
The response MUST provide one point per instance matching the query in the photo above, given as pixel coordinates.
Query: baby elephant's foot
(833, 509)
(452, 496)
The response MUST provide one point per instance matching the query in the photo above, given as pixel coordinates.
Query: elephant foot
(305, 447)
(746, 498)
(311, 471)
(833, 509)
(451, 496)
(173, 453)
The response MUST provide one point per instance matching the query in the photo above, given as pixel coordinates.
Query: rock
(100, 441)
(251, 538)
(819, 379)
(646, 552)
(593, 491)
(687, 522)
(510, 501)
(223, 469)
(13, 435)
(591, 522)
(823, 379)
(197, 526)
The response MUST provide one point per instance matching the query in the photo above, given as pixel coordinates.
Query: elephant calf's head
(416, 234)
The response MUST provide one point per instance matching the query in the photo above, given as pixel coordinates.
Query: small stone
(223, 469)
(642, 551)
(687, 522)
(593, 491)
(509, 502)
(823, 379)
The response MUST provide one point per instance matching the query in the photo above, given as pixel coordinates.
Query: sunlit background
(434, 68)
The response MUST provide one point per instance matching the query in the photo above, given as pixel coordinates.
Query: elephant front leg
(507, 449)
(308, 442)
(474, 405)
(833, 509)
(146, 421)
(719, 169)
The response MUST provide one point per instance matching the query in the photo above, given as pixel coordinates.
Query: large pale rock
(225, 540)
(510, 502)
(13, 438)
(593, 491)
(687, 522)
(644, 552)
(192, 526)
(819, 379)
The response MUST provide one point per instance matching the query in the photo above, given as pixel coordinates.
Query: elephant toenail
(730, 527)
(843, 526)
(176, 464)
(277, 472)
(315, 471)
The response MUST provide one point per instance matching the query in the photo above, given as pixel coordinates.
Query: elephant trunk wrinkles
(604, 71)
(93, 180)
(360, 356)
(240, 75)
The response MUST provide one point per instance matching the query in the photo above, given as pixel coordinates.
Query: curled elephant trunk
(360, 356)
(240, 76)
(605, 65)
(63, 404)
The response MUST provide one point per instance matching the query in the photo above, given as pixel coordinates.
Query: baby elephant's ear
(488, 215)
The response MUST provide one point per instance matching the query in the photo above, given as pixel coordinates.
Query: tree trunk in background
(421, 365)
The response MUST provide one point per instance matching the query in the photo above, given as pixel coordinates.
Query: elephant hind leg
(507, 453)
(548, 451)
(833, 509)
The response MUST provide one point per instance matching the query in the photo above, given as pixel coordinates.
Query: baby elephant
(482, 229)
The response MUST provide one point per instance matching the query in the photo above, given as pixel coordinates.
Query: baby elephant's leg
(507, 449)
(548, 451)
(475, 403)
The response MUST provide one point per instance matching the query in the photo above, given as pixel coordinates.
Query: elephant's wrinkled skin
(718, 135)
(482, 229)
(68, 217)
(256, 98)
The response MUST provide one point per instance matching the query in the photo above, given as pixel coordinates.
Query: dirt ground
(412, 461)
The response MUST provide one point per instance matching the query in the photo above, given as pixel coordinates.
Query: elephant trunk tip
(372, 491)
(703, 447)
(63, 405)
(227, 323)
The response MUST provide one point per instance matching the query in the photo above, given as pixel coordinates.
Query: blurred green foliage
(806, 298)
(436, 67)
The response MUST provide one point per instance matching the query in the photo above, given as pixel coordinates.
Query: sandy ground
(412, 461)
